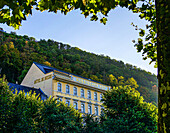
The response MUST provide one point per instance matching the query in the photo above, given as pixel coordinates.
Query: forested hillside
(17, 53)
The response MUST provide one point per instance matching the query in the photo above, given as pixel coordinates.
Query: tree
(24, 110)
(55, 116)
(10, 58)
(125, 111)
(17, 111)
(5, 104)
(91, 124)
(13, 12)
(132, 82)
(163, 57)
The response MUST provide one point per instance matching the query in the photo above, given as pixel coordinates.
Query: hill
(17, 53)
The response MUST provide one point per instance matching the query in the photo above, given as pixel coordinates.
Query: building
(26, 89)
(84, 94)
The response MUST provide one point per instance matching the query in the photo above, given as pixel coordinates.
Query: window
(75, 91)
(75, 104)
(95, 96)
(59, 99)
(82, 108)
(102, 108)
(89, 109)
(89, 94)
(67, 89)
(59, 87)
(96, 110)
(68, 102)
(82, 92)
(101, 97)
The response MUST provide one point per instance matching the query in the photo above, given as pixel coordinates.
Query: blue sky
(113, 39)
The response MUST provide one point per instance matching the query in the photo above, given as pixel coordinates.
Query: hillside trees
(74, 60)
(158, 23)
(10, 58)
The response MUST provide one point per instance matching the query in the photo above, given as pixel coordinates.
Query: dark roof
(13, 87)
(46, 69)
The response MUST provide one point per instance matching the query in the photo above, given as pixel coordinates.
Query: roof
(46, 69)
(13, 86)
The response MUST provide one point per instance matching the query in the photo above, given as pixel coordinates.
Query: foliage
(56, 117)
(5, 104)
(13, 12)
(91, 124)
(95, 9)
(125, 111)
(27, 113)
(17, 111)
(24, 111)
(62, 56)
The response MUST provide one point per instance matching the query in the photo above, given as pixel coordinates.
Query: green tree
(10, 58)
(125, 111)
(132, 82)
(91, 124)
(56, 117)
(113, 80)
(17, 111)
(13, 12)
(24, 110)
(6, 97)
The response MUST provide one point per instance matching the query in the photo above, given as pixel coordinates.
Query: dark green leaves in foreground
(28, 114)
(57, 117)
(125, 111)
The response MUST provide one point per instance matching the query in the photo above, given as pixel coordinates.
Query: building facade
(82, 93)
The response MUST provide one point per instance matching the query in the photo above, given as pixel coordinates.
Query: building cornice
(69, 81)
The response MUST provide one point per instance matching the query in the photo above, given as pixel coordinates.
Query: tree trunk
(163, 49)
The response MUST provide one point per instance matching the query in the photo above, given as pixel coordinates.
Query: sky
(113, 39)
